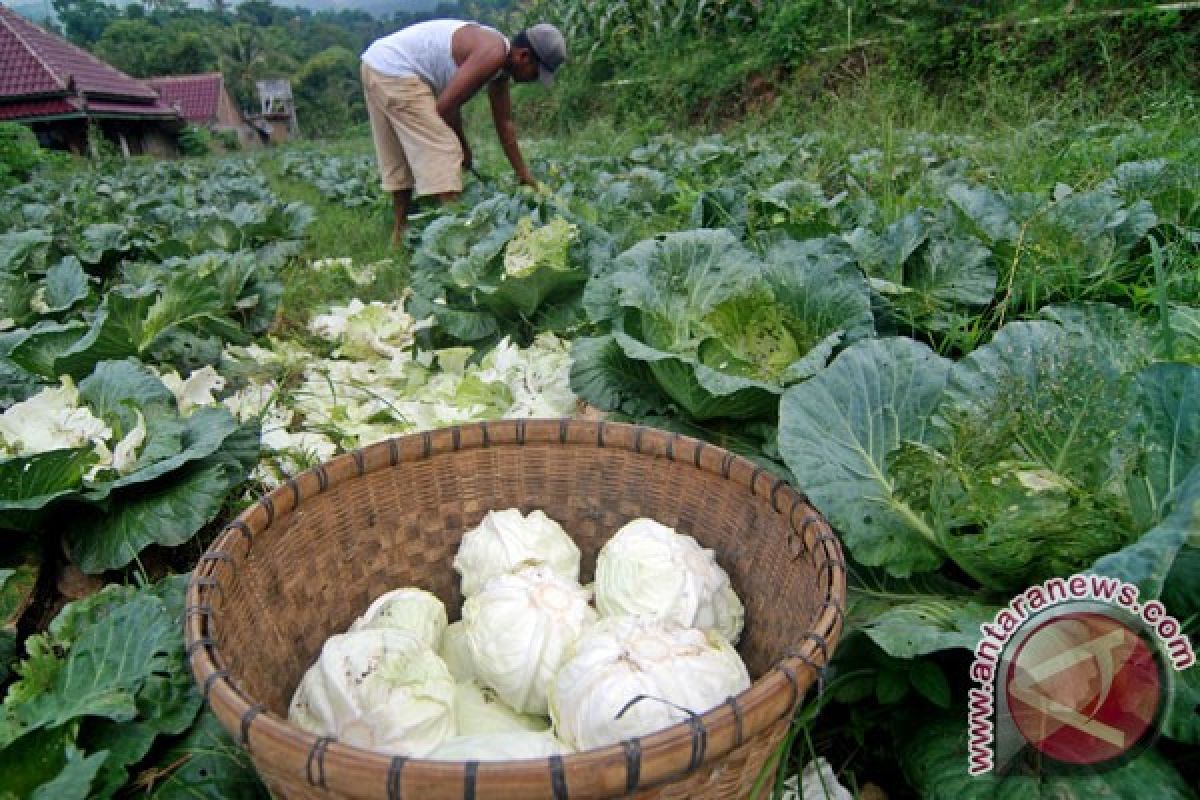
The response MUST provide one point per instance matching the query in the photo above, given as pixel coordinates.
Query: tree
(242, 57)
(133, 46)
(84, 21)
(328, 95)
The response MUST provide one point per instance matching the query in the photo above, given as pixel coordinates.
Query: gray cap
(550, 48)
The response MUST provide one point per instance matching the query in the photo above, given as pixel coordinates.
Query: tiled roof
(39, 109)
(100, 108)
(196, 96)
(34, 62)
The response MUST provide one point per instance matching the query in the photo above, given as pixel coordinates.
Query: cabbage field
(982, 380)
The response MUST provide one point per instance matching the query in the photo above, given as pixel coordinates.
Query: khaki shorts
(414, 145)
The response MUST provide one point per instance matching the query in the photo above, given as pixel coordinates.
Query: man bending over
(416, 82)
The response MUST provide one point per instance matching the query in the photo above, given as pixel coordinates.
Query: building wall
(227, 112)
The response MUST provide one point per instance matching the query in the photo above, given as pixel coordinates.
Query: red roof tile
(38, 109)
(196, 96)
(35, 62)
(102, 108)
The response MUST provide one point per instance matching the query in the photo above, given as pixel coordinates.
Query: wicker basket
(301, 564)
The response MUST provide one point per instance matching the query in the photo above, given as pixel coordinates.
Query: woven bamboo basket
(302, 563)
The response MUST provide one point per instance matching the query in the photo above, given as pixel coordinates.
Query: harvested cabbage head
(520, 628)
(506, 540)
(481, 711)
(414, 611)
(379, 689)
(594, 698)
(507, 746)
(457, 653)
(648, 569)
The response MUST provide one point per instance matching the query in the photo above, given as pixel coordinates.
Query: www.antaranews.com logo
(1076, 668)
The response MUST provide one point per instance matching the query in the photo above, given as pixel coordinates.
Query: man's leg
(396, 175)
(401, 201)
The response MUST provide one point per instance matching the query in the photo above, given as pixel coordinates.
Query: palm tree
(242, 55)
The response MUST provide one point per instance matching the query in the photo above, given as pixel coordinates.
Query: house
(60, 90)
(204, 101)
(277, 115)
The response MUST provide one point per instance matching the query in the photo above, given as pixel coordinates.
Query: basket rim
(668, 754)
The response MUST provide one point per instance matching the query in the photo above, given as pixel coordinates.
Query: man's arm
(484, 55)
(506, 130)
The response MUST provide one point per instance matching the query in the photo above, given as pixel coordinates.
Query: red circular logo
(1083, 688)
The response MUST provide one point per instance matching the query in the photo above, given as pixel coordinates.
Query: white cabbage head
(506, 540)
(456, 652)
(378, 689)
(594, 699)
(411, 610)
(507, 746)
(649, 569)
(478, 710)
(520, 628)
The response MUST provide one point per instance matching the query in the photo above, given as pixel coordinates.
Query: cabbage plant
(720, 330)
(503, 262)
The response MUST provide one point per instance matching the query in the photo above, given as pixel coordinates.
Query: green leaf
(66, 284)
(835, 433)
(207, 764)
(42, 345)
(101, 240)
(1166, 433)
(16, 294)
(463, 326)
(171, 443)
(1025, 484)
(16, 384)
(115, 388)
(988, 209)
(167, 704)
(103, 672)
(1164, 486)
(23, 250)
(1118, 335)
(75, 781)
(928, 625)
(33, 760)
(826, 299)
(883, 256)
(683, 276)
(605, 377)
(18, 580)
(34, 482)
(702, 392)
(935, 763)
(929, 680)
(118, 331)
(1182, 719)
(168, 512)
(891, 686)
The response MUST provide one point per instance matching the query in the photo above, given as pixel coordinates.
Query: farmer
(416, 82)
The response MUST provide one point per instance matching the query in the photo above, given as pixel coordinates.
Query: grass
(362, 234)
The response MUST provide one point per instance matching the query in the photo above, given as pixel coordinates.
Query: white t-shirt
(423, 50)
